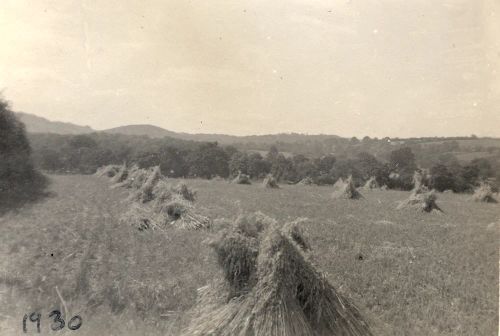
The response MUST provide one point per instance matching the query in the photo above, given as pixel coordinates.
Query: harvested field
(424, 274)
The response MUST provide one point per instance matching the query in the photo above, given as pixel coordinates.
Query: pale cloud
(378, 67)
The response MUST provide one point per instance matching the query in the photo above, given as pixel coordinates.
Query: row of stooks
(421, 197)
(156, 203)
(269, 284)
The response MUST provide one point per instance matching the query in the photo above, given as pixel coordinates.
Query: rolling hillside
(36, 124)
(158, 132)
(149, 130)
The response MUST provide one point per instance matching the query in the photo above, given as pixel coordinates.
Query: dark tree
(282, 168)
(324, 164)
(230, 150)
(82, 141)
(344, 168)
(238, 163)
(272, 154)
(257, 166)
(16, 167)
(208, 160)
(484, 167)
(148, 159)
(369, 166)
(441, 178)
(403, 162)
(470, 175)
(366, 139)
(173, 162)
(403, 159)
(48, 159)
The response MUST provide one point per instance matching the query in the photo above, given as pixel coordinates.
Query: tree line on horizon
(22, 153)
(180, 158)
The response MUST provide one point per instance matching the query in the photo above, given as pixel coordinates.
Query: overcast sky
(351, 67)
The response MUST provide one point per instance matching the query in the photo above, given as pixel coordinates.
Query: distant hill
(259, 139)
(158, 132)
(296, 142)
(36, 124)
(149, 130)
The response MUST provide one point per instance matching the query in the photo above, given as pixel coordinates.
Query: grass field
(409, 273)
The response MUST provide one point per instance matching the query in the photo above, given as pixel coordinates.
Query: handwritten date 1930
(58, 322)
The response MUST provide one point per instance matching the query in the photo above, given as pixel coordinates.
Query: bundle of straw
(270, 288)
(371, 184)
(121, 175)
(145, 192)
(306, 181)
(424, 201)
(347, 190)
(242, 179)
(270, 182)
(182, 214)
(484, 193)
(107, 171)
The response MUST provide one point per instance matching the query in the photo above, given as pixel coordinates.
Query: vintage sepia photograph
(249, 167)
